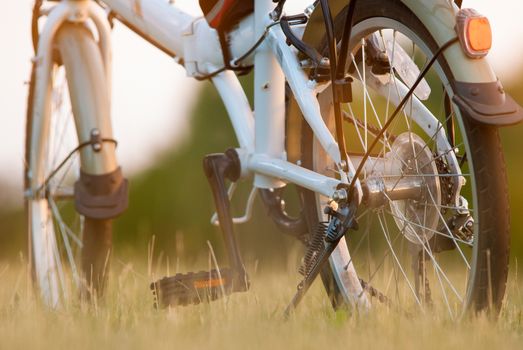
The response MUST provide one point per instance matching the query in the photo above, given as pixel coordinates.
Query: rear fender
(477, 91)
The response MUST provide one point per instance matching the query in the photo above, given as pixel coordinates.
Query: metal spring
(314, 248)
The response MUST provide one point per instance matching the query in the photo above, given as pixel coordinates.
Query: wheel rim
(55, 227)
(454, 298)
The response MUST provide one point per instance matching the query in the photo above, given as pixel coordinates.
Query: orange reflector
(209, 283)
(474, 33)
(479, 34)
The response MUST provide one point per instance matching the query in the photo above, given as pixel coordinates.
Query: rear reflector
(474, 33)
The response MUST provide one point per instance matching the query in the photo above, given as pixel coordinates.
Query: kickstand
(340, 222)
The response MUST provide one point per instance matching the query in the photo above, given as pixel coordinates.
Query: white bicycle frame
(192, 42)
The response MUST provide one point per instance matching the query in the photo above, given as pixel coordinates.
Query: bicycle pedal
(192, 288)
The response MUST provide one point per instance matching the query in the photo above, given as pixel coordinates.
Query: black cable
(66, 159)
(347, 33)
(235, 62)
(255, 46)
(333, 57)
(211, 75)
(300, 45)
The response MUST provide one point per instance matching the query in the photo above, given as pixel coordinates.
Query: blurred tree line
(172, 201)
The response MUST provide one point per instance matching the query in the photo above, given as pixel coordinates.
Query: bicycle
(383, 113)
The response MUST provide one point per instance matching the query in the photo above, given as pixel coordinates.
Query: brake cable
(235, 62)
(333, 59)
(95, 141)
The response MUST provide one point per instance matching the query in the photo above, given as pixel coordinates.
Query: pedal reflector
(192, 288)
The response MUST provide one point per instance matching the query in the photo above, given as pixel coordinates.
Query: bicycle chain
(373, 292)
(447, 186)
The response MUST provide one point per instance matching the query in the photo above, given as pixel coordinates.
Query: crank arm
(218, 168)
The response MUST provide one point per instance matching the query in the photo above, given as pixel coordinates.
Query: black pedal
(192, 288)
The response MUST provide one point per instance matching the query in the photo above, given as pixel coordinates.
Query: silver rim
(383, 249)
(55, 227)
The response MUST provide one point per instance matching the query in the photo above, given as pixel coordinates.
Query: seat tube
(269, 99)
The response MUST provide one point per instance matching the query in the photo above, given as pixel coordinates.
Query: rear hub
(416, 217)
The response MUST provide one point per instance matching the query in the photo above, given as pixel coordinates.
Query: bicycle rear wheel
(69, 252)
(448, 248)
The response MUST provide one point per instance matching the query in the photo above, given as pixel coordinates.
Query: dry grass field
(253, 320)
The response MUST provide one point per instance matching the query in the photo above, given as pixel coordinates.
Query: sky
(152, 97)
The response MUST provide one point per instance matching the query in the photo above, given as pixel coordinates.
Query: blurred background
(165, 123)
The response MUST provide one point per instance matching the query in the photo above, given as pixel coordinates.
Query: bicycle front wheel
(69, 252)
(445, 248)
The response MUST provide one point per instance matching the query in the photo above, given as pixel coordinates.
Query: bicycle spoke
(396, 259)
(450, 232)
(58, 261)
(367, 96)
(436, 264)
(65, 239)
(426, 228)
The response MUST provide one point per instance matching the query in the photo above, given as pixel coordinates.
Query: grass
(251, 320)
